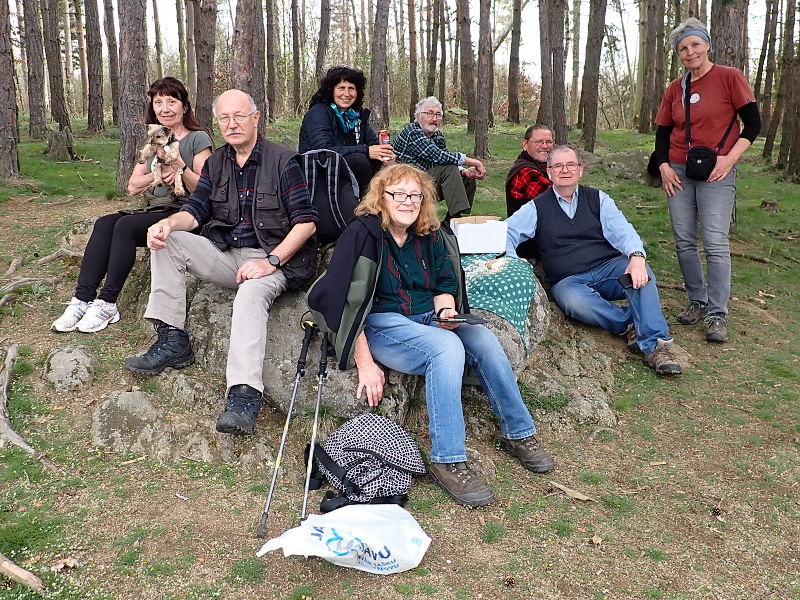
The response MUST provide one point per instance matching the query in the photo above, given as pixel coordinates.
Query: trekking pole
(323, 372)
(310, 329)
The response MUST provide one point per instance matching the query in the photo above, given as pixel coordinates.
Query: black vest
(269, 216)
(570, 246)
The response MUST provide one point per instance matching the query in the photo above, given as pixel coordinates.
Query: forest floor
(693, 494)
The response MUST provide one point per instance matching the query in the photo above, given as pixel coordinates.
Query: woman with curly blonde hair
(389, 296)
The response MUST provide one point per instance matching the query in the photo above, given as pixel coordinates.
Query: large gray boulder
(69, 368)
(630, 164)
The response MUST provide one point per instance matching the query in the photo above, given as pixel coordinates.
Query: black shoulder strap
(687, 94)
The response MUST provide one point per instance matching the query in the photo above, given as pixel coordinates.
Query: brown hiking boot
(461, 484)
(662, 360)
(529, 454)
(631, 336)
(716, 328)
(692, 313)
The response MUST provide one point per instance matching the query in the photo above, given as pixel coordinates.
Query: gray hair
(529, 131)
(564, 147)
(253, 107)
(690, 26)
(430, 100)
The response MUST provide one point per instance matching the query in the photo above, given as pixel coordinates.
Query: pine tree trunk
(113, 57)
(467, 63)
(37, 126)
(558, 14)
(159, 49)
(545, 113)
(576, 43)
(591, 71)
(413, 64)
(247, 53)
(79, 31)
(133, 86)
(378, 71)
(484, 97)
(513, 62)
(271, 13)
(765, 99)
(205, 27)
(9, 131)
(443, 51)
(297, 75)
(181, 19)
(94, 60)
(52, 48)
(191, 51)
(729, 33)
(648, 63)
(783, 84)
(430, 88)
(324, 37)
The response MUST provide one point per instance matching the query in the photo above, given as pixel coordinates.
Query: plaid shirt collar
(255, 155)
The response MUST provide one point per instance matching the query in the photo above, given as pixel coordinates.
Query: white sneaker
(98, 316)
(69, 320)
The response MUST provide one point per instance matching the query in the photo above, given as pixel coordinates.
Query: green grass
(248, 570)
(493, 532)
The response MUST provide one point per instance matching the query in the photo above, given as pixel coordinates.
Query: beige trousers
(189, 253)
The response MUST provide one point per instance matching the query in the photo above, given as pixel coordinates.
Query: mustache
(233, 131)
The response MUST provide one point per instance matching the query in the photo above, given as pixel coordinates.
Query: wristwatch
(637, 253)
(274, 260)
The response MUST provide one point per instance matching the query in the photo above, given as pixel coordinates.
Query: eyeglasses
(432, 115)
(225, 119)
(402, 197)
(570, 166)
(542, 142)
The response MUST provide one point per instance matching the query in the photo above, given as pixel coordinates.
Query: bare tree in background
(297, 75)
(413, 63)
(37, 125)
(191, 51)
(82, 60)
(66, 28)
(557, 13)
(159, 48)
(9, 131)
(430, 87)
(576, 43)
(729, 33)
(443, 51)
(271, 13)
(591, 72)
(94, 62)
(484, 91)
(181, 18)
(513, 62)
(133, 85)
(52, 49)
(787, 55)
(247, 53)
(205, 28)
(113, 57)
(467, 63)
(545, 113)
(378, 73)
(650, 100)
(324, 37)
(767, 64)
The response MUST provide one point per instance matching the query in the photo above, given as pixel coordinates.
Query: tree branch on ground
(14, 265)
(21, 282)
(58, 254)
(13, 571)
(7, 433)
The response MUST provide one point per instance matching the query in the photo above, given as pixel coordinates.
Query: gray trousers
(457, 192)
(711, 204)
(189, 253)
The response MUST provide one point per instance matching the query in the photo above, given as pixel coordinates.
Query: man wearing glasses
(423, 145)
(258, 238)
(592, 257)
(528, 176)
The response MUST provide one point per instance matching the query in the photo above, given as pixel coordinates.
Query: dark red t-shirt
(715, 98)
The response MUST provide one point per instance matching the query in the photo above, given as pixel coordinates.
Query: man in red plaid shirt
(528, 175)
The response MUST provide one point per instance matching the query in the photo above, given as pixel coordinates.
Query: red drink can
(383, 136)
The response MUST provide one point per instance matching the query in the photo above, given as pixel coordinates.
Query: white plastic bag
(377, 538)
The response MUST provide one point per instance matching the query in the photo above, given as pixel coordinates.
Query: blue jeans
(413, 344)
(589, 297)
(710, 202)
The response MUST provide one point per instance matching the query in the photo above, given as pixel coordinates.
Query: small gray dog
(158, 136)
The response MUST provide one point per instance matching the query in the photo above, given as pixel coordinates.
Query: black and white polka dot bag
(371, 460)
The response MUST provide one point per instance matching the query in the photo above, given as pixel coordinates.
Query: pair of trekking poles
(310, 330)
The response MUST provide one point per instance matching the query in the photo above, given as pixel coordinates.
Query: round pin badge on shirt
(695, 98)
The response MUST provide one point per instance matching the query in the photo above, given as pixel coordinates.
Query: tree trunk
(297, 75)
(791, 128)
(191, 51)
(52, 48)
(69, 71)
(513, 62)
(378, 71)
(484, 97)
(413, 64)
(94, 60)
(113, 57)
(440, 5)
(133, 86)
(545, 113)
(430, 88)
(783, 83)
(765, 99)
(557, 14)
(591, 71)
(650, 103)
(37, 126)
(159, 50)
(576, 44)
(205, 27)
(467, 63)
(9, 131)
(324, 37)
(181, 19)
(729, 33)
(79, 30)
(247, 53)
(271, 14)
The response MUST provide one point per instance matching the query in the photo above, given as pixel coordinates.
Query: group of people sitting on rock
(248, 224)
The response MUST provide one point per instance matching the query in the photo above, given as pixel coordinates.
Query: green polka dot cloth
(505, 287)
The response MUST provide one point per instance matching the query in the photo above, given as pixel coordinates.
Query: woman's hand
(446, 314)
(670, 180)
(722, 168)
(383, 152)
(370, 379)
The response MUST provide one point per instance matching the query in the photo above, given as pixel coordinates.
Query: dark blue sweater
(321, 131)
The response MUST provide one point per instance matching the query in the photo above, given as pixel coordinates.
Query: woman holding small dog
(336, 120)
(111, 250)
(698, 124)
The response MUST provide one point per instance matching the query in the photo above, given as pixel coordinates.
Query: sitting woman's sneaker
(69, 320)
(99, 315)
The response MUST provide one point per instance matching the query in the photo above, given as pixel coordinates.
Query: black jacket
(321, 131)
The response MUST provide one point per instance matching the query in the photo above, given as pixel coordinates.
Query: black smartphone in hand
(626, 281)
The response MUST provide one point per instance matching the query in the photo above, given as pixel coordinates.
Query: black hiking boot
(172, 349)
(244, 403)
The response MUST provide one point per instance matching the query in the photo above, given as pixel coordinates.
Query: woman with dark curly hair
(336, 120)
(111, 251)
(715, 98)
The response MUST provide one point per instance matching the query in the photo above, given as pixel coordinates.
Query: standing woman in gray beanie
(716, 98)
